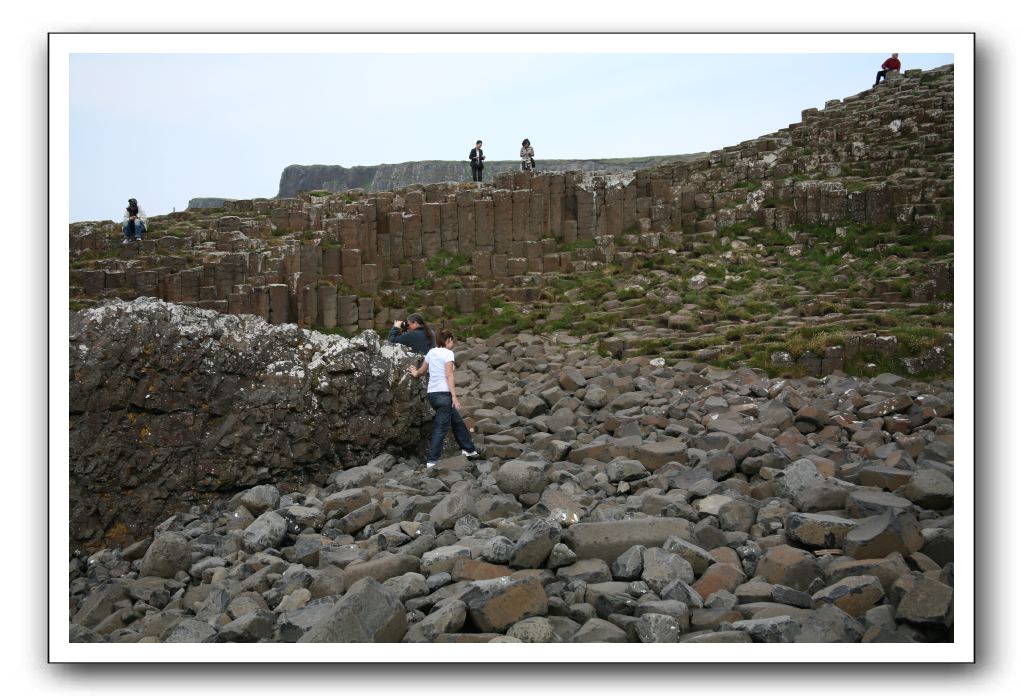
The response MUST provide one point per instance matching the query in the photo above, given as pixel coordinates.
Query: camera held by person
(412, 332)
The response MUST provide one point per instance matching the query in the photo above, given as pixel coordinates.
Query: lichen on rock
(170, 405)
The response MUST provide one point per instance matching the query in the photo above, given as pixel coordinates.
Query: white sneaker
(470, 455)
(430, 465)
(126, 241)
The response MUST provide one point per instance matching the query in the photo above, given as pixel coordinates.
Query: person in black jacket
(476, 158)
(413, 332)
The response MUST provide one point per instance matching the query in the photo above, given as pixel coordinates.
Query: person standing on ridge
(134, 221)
(440, 392)
(526, 154)
(413, 332)
(476, 158)
(892, 63)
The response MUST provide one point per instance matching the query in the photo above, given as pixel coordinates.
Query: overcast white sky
(164, 128)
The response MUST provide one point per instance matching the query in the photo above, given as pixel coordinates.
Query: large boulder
(609, 540)
(498, 604)
(521, 476)
(817, 531)
(878, 536)
(169, 553)
(367, 613)
(267, 531)
(172, 404)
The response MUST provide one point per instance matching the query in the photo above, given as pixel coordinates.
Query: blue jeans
(139, 228)
(447, 417)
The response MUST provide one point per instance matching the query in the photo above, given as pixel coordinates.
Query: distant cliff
(208, 202)
(384, 177)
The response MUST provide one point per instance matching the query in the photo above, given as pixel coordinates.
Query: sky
(167, 127)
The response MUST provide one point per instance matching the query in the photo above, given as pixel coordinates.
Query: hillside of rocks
(298, 178)
(713, 401)
(825, 245)
(631, 500)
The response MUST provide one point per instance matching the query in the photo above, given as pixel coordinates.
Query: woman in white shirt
(440, 392)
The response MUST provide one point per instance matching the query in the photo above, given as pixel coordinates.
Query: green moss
(445, 264)
(738, 229)
(87, 259)
(180, 231)
(630, 293)
(651, 346)
(576, 244)
(495, 315)
(337, 331)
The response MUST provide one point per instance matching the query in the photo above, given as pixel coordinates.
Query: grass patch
(738, 229)
(444, 263)
(590, 286)
(631, 292)
(77, 305)
(576, 319)
(575, 245)
(813, 339)
(492, 317)
(868, 364)
(338, 331)
(179, 231)
(651, 346)
(90, 257)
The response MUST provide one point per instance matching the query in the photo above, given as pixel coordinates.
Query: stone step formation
(867, 180)
(616, 500)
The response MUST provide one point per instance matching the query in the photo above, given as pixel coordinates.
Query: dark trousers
(477, 172)
(447, 417)
(881, 75)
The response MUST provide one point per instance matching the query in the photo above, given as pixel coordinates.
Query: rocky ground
(628, 500)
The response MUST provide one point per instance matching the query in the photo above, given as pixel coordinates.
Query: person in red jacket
(890, 64)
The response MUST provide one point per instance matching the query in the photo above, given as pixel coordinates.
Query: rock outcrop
(207, 202)
(172, 406)
(387, 177)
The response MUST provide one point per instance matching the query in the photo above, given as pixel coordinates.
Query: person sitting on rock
(440, 392)
(413, 332)
(134, 222)
(892, 63)
(526, 154)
